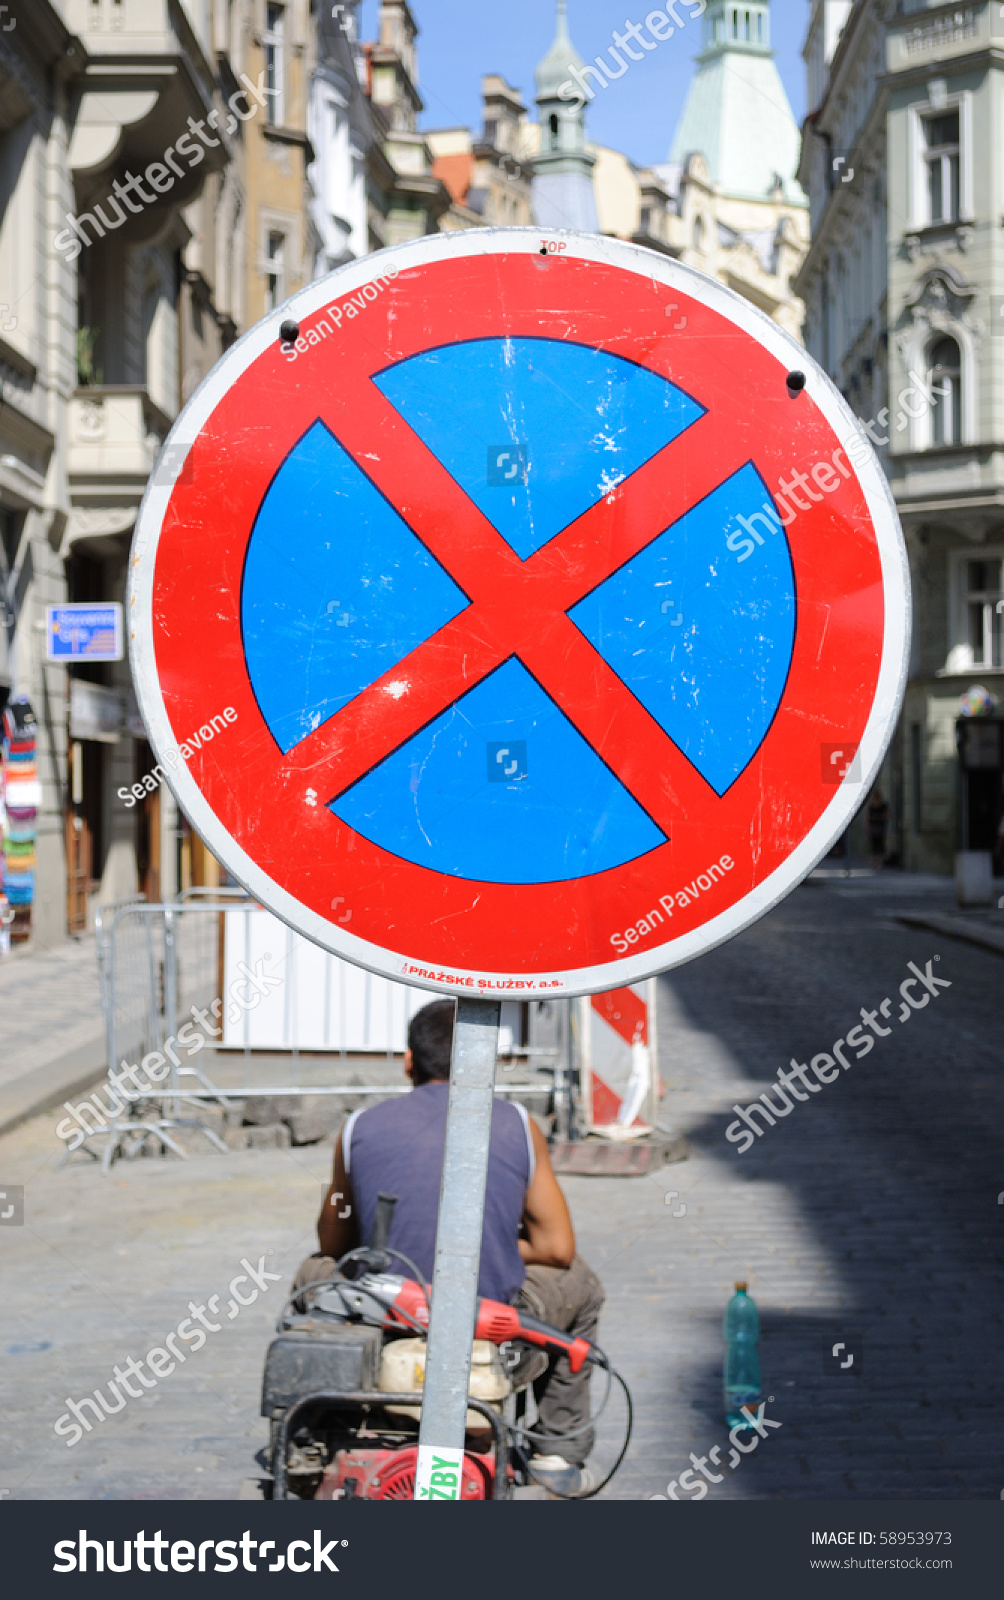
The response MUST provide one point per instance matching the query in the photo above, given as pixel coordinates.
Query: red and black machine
(343, 1382)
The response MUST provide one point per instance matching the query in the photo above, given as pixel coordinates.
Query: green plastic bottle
(741, 1368)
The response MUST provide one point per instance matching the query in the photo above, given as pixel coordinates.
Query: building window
(491, 133)
(982, 597)
(945, 374)
(275, 272)
(941, 139)
(275, 66)
(699, 233)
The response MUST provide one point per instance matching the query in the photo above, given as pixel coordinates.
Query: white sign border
(642, 963)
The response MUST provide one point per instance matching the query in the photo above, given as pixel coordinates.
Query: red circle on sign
(434, 928)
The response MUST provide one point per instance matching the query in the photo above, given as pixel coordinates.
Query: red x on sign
(553, 723)
(518, 608)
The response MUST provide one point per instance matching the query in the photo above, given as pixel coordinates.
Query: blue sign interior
(699, 625)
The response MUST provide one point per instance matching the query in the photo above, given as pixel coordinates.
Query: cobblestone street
(867, 1216)
(869, 1213)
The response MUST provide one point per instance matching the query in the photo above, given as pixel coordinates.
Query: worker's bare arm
(337, 1233)
(550, 1237)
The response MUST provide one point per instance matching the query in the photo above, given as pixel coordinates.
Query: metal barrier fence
(216, 962)
(159, 968)
(156, 962)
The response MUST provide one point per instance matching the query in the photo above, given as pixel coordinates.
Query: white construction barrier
(315, 1001)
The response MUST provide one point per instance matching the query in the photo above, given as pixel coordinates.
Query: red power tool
(398, 1302)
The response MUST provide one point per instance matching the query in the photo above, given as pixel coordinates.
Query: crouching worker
(528, 1254)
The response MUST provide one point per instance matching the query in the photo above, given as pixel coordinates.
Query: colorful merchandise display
(20, 798)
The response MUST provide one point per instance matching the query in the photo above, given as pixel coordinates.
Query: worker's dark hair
(430, 1040)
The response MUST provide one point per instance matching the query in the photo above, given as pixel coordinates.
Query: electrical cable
(526, 1433)
(364, 1250)
(298, 1299)
(518, 1433)
(515, 1432)
(554, 1440)
(571, 1433)
(333, 1283)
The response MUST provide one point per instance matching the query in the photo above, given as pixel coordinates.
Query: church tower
(736, 112)
(563, 171)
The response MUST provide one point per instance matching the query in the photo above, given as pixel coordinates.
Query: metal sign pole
(458, 1250)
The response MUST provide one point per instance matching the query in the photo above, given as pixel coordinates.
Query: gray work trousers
(568, 1298)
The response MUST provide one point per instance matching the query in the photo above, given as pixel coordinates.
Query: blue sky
(459, 41)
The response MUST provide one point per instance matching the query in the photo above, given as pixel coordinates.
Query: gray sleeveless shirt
(397, 1147)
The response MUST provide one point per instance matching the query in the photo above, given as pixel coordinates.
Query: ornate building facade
(489, 173)
(171, 171)
(729, 206)
(735, 207)
(153, 159)
(406, 197)
(122, 289)
(903, 289)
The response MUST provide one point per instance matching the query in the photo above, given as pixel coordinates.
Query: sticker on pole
(439, 1474)
(543, 635)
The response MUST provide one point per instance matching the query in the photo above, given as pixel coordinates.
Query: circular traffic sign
(544, 634)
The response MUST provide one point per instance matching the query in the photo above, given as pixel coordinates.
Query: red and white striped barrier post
(620, 1074)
